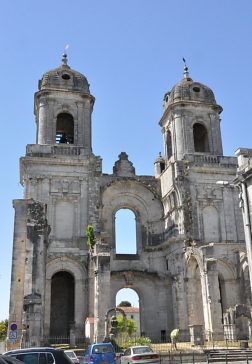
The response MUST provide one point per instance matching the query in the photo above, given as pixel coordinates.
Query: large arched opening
(128, 300)
(62, 304)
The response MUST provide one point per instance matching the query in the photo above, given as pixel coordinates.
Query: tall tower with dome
(189, 268)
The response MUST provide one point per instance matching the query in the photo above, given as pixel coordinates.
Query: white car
(139, 355)
(71, 354)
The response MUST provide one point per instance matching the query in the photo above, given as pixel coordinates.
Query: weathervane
(186, 72)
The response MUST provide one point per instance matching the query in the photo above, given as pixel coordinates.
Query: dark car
(71, 354)
(100, 353)
(4, 359)
(40, 356)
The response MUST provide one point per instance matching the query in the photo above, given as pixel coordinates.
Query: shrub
(3, 329)
(124, 341)
(90, 236)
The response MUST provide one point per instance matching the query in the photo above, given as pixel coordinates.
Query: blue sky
(131, 52)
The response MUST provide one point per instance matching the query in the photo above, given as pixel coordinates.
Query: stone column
(42, 122)
(180, 303)
(102, 294)
(212, 302)
(87, 124)
(37, 233)
(179, 130)
(205, 301)
(18, 268)
(196, 334)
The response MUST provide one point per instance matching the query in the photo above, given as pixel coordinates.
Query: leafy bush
(130, 324)
(3, 329)
(124, 341)
(140, 340)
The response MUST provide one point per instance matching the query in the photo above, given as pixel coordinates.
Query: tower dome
(190, 91)
(191, 120)
(64, 78)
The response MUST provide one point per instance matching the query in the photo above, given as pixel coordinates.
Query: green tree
(130, 326)
(3, 329)
(124, 304)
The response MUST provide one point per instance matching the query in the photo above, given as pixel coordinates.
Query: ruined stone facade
(190, 265)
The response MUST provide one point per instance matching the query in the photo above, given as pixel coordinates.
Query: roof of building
(64, 78)
(188, 90)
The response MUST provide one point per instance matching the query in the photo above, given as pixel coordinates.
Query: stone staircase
(229, 355)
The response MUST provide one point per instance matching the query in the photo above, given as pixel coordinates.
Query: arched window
(200, 138)
(169, 144)
(64, 129)
(62, 304)
(125, 232)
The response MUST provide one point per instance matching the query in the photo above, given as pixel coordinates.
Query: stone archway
(62, 304)
(152, 323)
(79, 275)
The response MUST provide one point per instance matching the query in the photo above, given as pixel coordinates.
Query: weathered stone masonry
(190, 267)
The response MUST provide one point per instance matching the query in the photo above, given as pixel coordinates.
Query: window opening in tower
(64, 129)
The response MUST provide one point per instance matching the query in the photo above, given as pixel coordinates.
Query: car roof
(102, 344)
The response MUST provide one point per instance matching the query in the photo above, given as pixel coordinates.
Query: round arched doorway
(62, 304)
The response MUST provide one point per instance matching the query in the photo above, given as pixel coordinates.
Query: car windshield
(101, 349)
(142, 350)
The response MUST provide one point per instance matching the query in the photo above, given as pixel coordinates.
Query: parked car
(139, 355)
(40, 356)
(71, 354)
(100, 353)
(4, 359)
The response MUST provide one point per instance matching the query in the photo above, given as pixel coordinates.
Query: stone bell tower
(190, 125)
(191, 122)
(202, 219)
(49, 288)
(63, 107)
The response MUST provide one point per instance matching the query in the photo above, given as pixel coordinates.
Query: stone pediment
(123, 167)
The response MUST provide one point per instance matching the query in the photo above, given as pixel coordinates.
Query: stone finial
(159, 158)
(64, 59)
